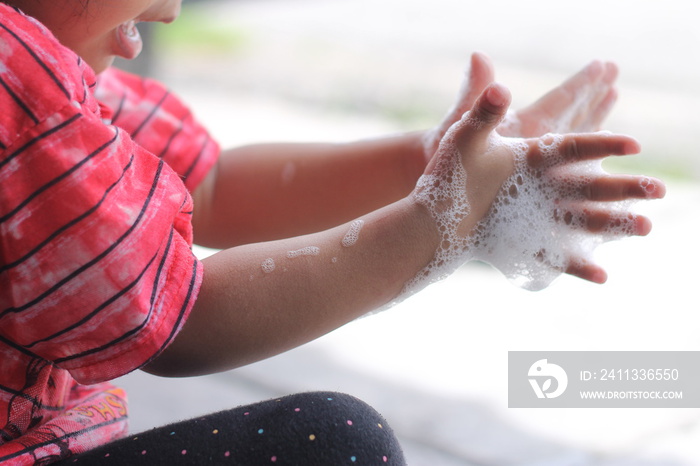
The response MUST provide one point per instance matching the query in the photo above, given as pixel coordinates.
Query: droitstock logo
(542, 373)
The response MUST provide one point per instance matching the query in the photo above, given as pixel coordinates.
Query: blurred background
(436, 365)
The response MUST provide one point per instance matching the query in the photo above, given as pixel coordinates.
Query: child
(103, 185)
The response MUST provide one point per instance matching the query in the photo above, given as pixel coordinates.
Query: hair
(17, 3)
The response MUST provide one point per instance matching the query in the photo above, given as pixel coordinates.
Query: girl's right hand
(572, 198)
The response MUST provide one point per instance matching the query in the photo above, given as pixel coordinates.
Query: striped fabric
(157, 121)
(96, 269)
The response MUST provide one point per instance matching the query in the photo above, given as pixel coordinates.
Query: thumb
(481, 74)
(486, 114)
(491, 106)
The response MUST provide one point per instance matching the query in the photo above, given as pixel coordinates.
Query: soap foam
(353, 233)
(268, 265)
(307, 251)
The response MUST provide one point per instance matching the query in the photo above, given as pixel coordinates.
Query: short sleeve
(158, 121)
(96, 269)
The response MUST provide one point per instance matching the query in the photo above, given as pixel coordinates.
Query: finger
(481, 74)
(488, 111)
(580, 104)
(591, 74)
(553, 149)
(491, 106)
(586, 270)
(623, 187)
(600, 112)
(617, 223)
(602, 106)
(604, 100)
(605, 222)
(611, 73)
(594, 100)
(565, 96)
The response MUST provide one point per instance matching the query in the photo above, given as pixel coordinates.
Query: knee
(340, 419)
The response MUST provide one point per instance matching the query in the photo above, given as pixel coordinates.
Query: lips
(128, 40)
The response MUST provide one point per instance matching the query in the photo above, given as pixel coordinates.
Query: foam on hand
(533, 228)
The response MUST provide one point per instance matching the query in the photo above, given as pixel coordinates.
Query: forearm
(272, 191)
(245, 313)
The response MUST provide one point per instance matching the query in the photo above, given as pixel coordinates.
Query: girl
(105, 183)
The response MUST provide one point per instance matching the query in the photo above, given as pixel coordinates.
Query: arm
(271, 191)
(248, 310)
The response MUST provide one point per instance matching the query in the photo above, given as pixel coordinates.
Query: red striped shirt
(96, 269)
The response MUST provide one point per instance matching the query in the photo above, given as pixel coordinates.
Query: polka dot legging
(315, 428)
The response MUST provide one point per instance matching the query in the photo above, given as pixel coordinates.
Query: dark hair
(83, 3)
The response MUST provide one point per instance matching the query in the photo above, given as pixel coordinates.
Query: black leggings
(315, 428)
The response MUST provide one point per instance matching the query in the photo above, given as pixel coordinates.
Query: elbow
(165, 365)
(178, 361)
(174, 362)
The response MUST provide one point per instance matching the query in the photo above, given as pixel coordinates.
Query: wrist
(416, 156)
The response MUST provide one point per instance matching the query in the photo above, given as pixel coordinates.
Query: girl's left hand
(580, 104)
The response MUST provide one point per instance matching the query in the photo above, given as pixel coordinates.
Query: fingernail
(496, 96)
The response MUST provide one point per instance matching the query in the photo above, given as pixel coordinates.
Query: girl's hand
(534, 208)
(580, 104)
(480, 75)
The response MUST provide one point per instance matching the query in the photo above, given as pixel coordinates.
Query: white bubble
(307, 251)
(353, 233)
(268, 265)
(510, 124)
(647, 185)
